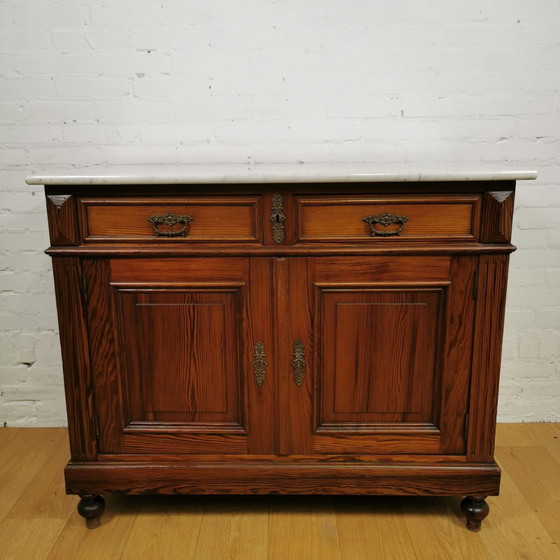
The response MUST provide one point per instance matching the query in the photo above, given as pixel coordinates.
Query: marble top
(272, 173)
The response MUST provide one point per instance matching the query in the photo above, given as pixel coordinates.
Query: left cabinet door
(172, 348)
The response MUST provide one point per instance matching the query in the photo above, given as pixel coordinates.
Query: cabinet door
(382, 346)
(172, 354)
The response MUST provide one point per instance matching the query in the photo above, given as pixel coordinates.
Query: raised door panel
(379, 356)
(182, 358)
(174, 339)
(388, 344)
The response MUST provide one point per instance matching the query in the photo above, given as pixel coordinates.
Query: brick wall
(92, 83)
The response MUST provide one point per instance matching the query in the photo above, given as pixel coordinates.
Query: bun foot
(476, 510)
(91, 508)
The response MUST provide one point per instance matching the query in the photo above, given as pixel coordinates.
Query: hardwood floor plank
(6, 434)
(373, 527)
(28, 539)
(517, 434)
(512, 530)
(45, 496)
(40, 521)
(21, 459)
(233, 528)
(304, 528)
(167, 528)
(437, 526)
(548, 435)
(537, 475)
(106, 542)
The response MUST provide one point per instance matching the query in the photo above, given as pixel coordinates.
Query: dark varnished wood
(172, 351)
(401, 339)
(487, 353)
(497, 219)
(68, 282)
(63, 224)
(91, 508)
(279, 478)
(476, 511)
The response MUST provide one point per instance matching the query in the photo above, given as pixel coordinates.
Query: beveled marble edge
(268, 173)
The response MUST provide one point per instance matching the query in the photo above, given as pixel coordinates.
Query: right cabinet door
(387, 344)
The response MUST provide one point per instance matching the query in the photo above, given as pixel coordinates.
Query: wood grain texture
(376, 352)
(487, 353)
(258, 478)
(172, 355)
(304, 530)
(400, 249)
(356, 528)
(542, 492)
(165, 529)
(513, 529)
(63, 223)
(20, 466)
(74, 342)
(341, 218)
(233, 219)
(497, 217)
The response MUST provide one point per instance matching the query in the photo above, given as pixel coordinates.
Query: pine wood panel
(332, 218)
(71, 308)
(214, 219)
(175, 342)
(487, 353)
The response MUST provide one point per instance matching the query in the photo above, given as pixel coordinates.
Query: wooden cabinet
(268, 337)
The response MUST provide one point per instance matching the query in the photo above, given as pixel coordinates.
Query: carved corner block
(497, 218)
(63, 225)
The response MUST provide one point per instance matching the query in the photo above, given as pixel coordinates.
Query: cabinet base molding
(267, 478)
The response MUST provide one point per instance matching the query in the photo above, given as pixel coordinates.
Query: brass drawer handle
(386, 220)
(259, 364)
(171, 220)
(277, 218)
(299, 363)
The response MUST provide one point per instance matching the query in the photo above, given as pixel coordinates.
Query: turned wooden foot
(91, 508)
(476, 510)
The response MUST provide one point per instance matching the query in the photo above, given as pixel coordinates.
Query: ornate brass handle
(386, 220)
(170, 220)
(259, 364)
(299, 363)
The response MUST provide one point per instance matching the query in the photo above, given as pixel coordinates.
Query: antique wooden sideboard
(281, 329)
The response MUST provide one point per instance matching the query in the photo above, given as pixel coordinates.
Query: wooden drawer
(381, 218)
(217, 219)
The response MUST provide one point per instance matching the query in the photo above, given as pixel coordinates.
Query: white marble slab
(271, 173)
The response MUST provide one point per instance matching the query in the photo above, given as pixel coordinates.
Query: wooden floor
(39, 521)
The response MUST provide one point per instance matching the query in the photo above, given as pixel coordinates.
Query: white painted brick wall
(92, 83)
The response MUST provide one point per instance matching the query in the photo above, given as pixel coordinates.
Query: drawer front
(343, 219)
(223, 219)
